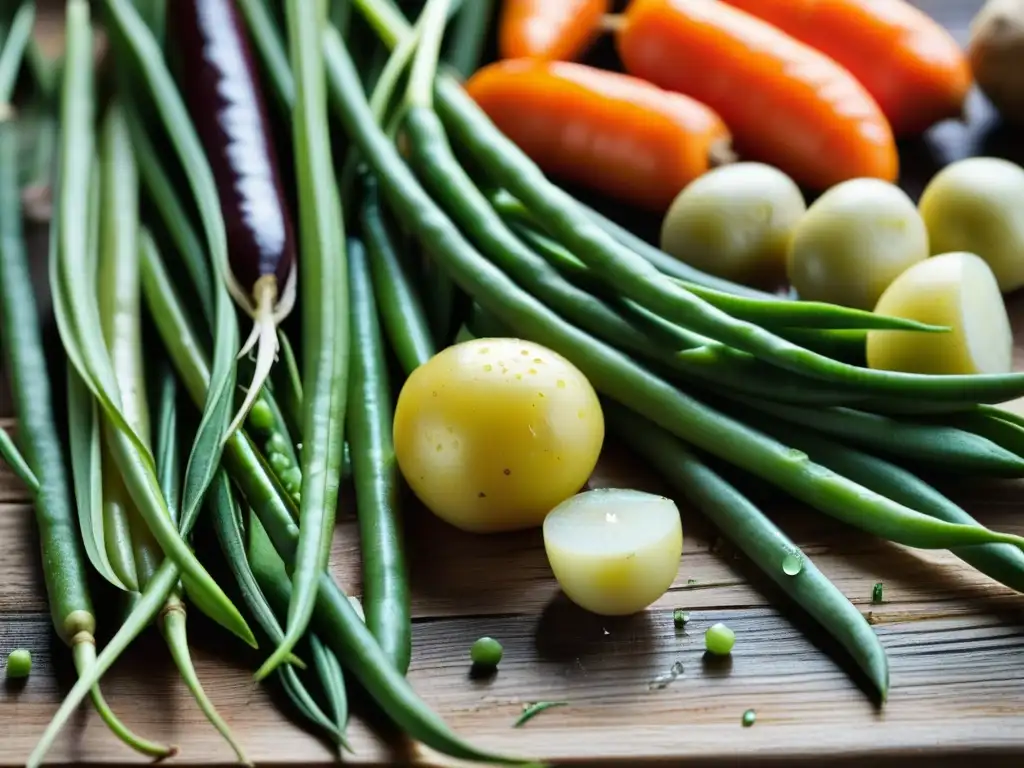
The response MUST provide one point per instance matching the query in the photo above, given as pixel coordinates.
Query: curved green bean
(938, 445)
(757, 537)
(375, 470)
(338, 624)
(611, 372)
(398, 301)
(323, 284)
(468, 36)
(12, 51)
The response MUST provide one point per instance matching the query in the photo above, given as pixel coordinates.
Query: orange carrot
(553, 30)
(608, 131)
(907, 61)
(784, 102)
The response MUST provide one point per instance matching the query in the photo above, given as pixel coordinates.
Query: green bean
(288, 386)
(399, 302)
(639, 280)
(1002, 562)
(173, 616)
(16, 462)
(13, 51)
(848, 346)
(937, 445)
(469, 34)
(757, 537)
(339, 626)
(134, 38)
(773, 314)
(323, 283)
(1007, 434)
(329, 669)
(669, 265)
(385, 580)
(611, 372)
(64, 568)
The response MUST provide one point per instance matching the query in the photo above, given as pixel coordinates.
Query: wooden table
(956, 640)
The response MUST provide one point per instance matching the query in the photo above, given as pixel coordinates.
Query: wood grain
(955, 639)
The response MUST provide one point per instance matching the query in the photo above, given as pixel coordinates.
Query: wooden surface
(955, 640)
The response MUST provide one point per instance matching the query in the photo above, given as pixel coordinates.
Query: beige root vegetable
(996, 53)
(977, 205)
(736, 222)
(853, 241)
(614, 552)
(957, 290)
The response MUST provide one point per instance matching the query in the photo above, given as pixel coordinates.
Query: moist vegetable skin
(785, 103)
(974, 205)
(955, 289)
(614, 551)
(735, 222)
(225, 101)
(549, 29)
(994, 51)
(854, 241)
(492, 434)
(611, 132)
(909, 63)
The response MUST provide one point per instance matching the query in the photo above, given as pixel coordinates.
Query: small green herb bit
(19, 663)
(877, 592)
(680, 617)
(749, 718)
(532, 710)
(719, 640)
(486, 652)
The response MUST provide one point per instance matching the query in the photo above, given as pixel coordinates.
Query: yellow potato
(977, 205)
(854, 240)
(735, 222)
(614, 552)
(957, 290)
(491, 434)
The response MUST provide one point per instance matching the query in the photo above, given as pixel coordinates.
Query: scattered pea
(877, 592)
(279, 463)
(277, 444)
(749, 717)
(19, 663)
(486, 652)
(680, 617)
(260, 416)
(719, 640)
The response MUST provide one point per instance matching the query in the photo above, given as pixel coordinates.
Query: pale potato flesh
(956, 290)
(614, 552)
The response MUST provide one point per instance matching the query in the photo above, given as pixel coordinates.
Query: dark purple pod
(218, 79)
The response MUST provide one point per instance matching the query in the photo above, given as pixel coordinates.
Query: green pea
(260, 416)
(279, 463)
(486, 652)
(277, 444)
(749, 718)
(291, 479)
(680, 617)
(719, 640)
(19, 663)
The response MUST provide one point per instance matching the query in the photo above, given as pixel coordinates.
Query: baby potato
(736, 222)
(614, 551)
(854, 240)
(491, 434)
(957, 290)
(977, 205)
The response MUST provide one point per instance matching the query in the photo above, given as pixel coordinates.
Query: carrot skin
(611, 132)
(550, 30)
(784, 102)
(224, 98)
(912, 66)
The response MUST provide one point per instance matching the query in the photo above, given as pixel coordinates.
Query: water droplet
(525, 353)
(538, 360)
(663, 681)
(605, 631)
(532, 371)
(792, 564)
